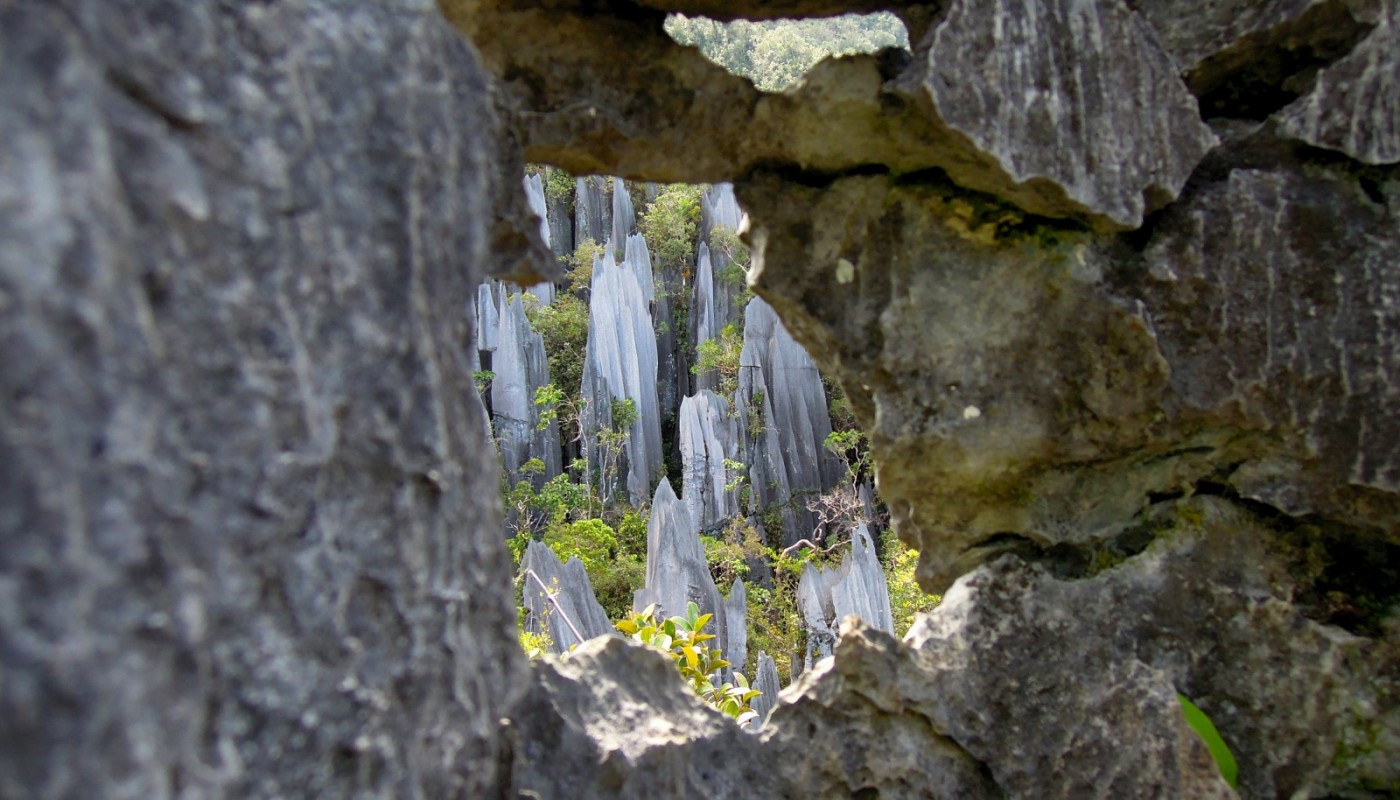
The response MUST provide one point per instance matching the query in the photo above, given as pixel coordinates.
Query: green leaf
(1204, 728)
(700, 621)
(692, 612)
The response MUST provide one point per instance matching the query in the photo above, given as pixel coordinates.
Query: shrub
(669, 225)
(906, 598)
(721, 356)
(684, 641)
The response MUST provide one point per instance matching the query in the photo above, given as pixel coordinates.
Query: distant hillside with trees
(776, 53)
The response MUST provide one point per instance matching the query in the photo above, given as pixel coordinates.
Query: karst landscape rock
(1113, 286)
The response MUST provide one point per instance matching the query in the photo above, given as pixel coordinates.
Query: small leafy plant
(684, 640)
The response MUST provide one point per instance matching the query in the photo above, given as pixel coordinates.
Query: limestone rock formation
(677, 573)
(620, 366)
(592, 212)
(624, 217)
(521, 369)
(855, 588)
(736, 617)
(1049, 129)
(1355, 106)
(247, 523)
(251, 542)
(708, 438)
(558, 599)
(766, 681)
(539, 207)
(782, 405)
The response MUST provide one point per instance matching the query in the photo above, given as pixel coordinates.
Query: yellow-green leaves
(683, 640)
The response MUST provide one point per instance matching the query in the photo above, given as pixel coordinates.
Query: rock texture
(782, 405)
(558, 599)
(251, 548)
(247, 548)
(855, 588)
(677, 573)
(1355, 106)
(521, 369)
(708, 438)
(620, 365)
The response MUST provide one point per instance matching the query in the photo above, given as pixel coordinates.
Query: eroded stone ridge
(1110, 126)
(1355, 106)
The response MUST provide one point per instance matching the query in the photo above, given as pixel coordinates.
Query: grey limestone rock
(855, 588)
(781, 390)
(488, 315)
(736, 623)
(539, 207)
(766, 681)
(1355, 106)
(521, 369)
(620, 364)
(558, 599)
(592, 212)
(708, 438)
(721, 207)
(246, 548)
(677, 572)
(1117, 134)
(624, 217)
(1211, 611)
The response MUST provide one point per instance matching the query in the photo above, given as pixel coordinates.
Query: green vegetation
(670, 223)
(482, 378)
(609, 538)
(721, 357)
(906, 598)
(726, 248)
(775, 54)
(683, 639)
(1204, 728)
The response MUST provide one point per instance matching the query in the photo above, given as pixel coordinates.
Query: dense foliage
(684, 641)
(776, 53)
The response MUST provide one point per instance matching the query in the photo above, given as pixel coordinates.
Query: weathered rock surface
(1029, 379)
(855, 588)
(736, 623)
(620, 366)
(766, 681)
(1116, 135)
(1355, 106)
(247, 552)
(708, 438)
(782, 405)
(250, 545)
(521, 369)
(677, 573)
(558, 599)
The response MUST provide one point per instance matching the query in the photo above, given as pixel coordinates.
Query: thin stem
(550, 596)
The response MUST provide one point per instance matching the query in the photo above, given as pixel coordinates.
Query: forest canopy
(775, 53)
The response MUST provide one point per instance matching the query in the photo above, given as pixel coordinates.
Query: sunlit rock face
(782, 405)
(558, 599)
(857, 587)
(620, 371)
(1127, 375)
(677, 573)
(539, 207)
(709, 438)
(520, 369)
